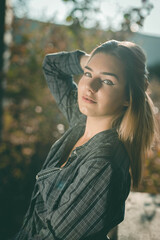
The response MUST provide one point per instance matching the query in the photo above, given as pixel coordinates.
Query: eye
(108, 82)
(87, 74)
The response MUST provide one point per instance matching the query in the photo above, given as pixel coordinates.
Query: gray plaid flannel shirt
(86, 198)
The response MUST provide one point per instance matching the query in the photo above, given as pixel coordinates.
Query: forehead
(102, 62)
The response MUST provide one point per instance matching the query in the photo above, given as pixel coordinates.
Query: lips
(88, 99)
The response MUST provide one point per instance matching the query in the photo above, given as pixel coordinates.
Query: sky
(110, 12)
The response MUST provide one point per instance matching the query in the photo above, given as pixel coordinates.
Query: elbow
(45, 61)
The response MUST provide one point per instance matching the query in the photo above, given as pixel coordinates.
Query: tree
(80, 18)
(31, 120)
(79, 15)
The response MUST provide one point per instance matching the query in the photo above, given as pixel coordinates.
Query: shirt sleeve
(90, 205)
(59, 69)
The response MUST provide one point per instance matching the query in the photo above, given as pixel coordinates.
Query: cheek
(112, 97)
(80, 85)
(80, 90)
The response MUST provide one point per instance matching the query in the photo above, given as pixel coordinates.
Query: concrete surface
(142, 218)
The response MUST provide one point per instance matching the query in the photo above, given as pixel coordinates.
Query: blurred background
(29, 119)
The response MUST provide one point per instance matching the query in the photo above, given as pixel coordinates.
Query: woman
(81, 190)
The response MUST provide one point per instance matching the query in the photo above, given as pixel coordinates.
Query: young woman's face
(101, 90)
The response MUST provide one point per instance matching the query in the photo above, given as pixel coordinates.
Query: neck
(95, 125)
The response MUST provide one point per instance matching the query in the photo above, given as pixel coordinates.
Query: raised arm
(58, 70)
(83, 60)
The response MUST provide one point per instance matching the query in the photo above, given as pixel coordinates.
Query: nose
(93, 84)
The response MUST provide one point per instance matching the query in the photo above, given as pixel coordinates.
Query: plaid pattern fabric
(86, 198)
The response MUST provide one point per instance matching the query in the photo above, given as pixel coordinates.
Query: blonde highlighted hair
(136, 124)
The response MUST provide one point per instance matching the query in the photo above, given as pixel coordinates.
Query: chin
(83, 111)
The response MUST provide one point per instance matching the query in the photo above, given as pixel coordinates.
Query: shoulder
(109, 151)
(108, 145)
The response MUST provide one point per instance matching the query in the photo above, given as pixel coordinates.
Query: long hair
(136, 123)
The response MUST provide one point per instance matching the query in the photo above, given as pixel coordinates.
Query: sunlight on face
(101, 90)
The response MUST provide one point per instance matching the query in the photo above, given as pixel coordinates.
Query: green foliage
(30, 119)
(151, 180)
(82, 13)
(136, 16)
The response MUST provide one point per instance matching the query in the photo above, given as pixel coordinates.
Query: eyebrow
(104, 73)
